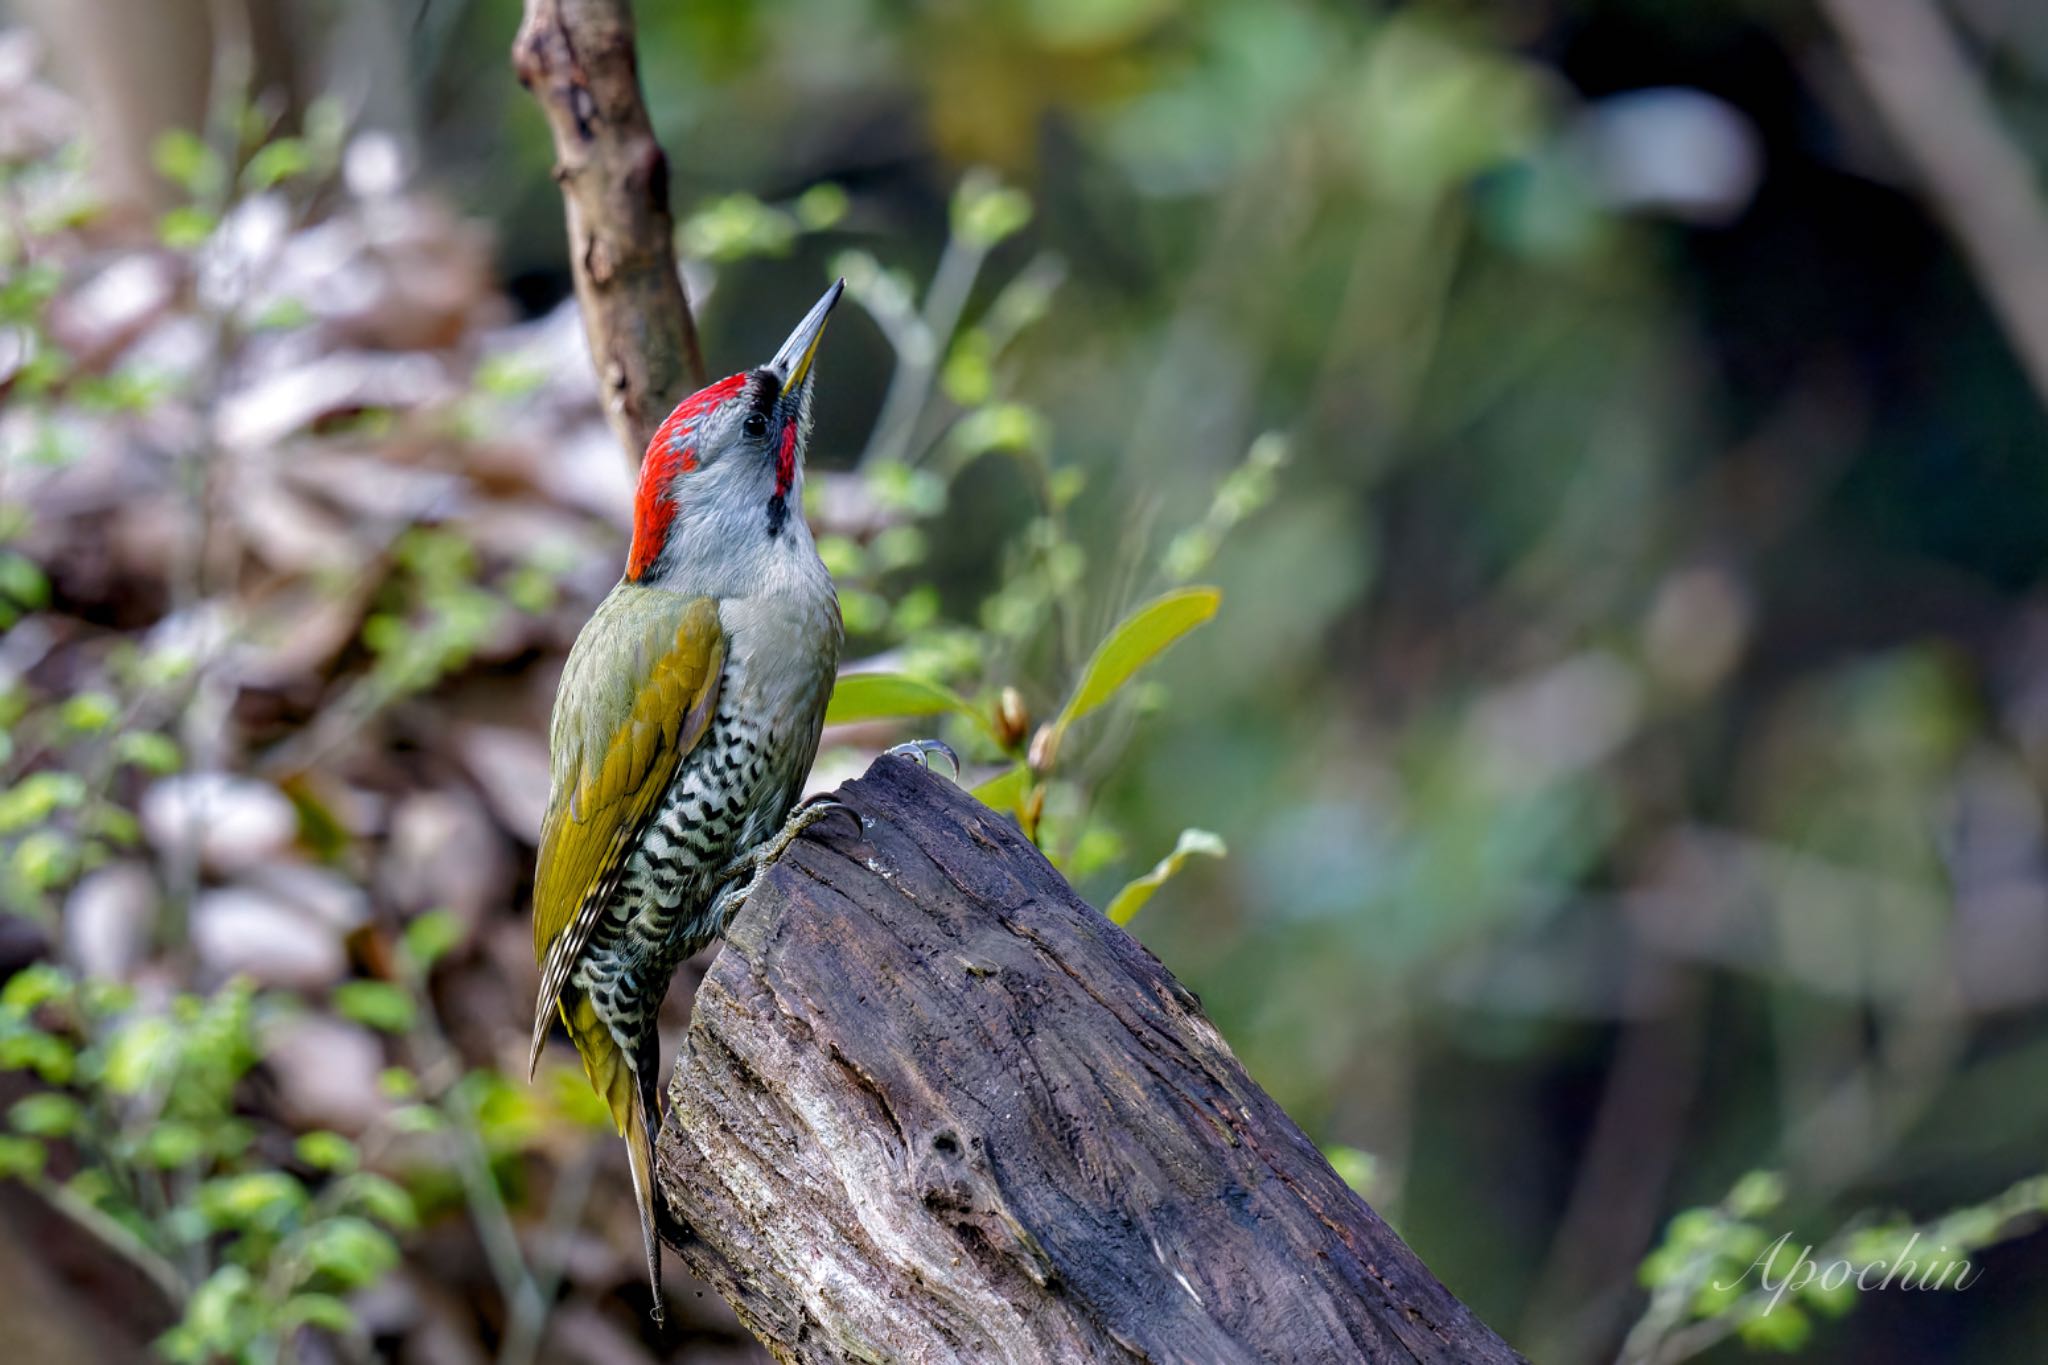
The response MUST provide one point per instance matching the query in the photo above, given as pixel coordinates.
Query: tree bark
(577, 58)
(932, 1106)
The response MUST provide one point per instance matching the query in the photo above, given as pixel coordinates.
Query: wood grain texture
(932, 1107)
(576, 57)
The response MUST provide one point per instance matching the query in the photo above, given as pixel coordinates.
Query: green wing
(636, 696)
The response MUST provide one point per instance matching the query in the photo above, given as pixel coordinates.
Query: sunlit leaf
(1132, 898)
(379, 1004)
(325, 1151)
(1137, 640)
(351, 1251)
(1003, 791)
(428, 937)
(45, 1116)
(880, 696)
(319, 1310)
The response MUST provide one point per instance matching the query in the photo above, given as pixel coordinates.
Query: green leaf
(45, 1116)
(149, 751)
(37, 797)
(986, 211)
(319, 1310)
(171, 1144)
(1006, 789)
(325, 1151)
(427, 938)
(276, 162)
(1132, 898)
(1776, 1328)
(217, 1319)
(258, 1199)
(1756, 1193)
(33, 987)
(381, 1199)
(22, 580)
(143, 1050)
(350, 1251)
(1356, 1168)
(21, 1157)
(879, 696)
(89, 712)
(34, 1050)
(187, 162)
(185, 228)
(1138, 639)
(379, 1004)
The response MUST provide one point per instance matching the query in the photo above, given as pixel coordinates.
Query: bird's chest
(737, 785)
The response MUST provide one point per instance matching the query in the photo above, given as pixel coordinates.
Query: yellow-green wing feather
(637, 695)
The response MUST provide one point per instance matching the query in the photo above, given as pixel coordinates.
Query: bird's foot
(753, 863)
(920, 751)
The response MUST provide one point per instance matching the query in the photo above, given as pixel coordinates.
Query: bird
(684, 727)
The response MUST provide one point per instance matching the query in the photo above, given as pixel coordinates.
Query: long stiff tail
(616, 1077)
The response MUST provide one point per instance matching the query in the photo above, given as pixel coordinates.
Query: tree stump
(932, 1106)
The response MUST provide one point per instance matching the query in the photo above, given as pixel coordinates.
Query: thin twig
(1980, 182)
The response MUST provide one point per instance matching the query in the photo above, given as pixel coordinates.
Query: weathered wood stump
(932, 1106)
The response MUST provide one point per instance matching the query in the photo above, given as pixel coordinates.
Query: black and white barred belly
(732, 792)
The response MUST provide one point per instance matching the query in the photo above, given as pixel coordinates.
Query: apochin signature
(1940, 1271)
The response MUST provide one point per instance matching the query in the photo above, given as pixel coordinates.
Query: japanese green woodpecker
(684, 727)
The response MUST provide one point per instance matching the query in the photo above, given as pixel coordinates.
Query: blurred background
(1616, 430)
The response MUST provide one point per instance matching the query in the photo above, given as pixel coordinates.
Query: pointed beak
(793, 361)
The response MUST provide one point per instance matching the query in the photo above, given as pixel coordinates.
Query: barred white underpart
(730, 794)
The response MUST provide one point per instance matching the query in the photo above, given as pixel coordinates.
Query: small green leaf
(258, 1199)
(34, 1050)
(23, 581)
(38, 796)
(171, 1144)
(428, 937)
(21, 1157)
(144, 1049)
(381, 1199)
(185, 227)
(878, 696)
(1356, 1168)
(149, 751)
(319, 1310)
(325, 1151)
(1006, 789)
(1758, 1192)
(45, 1116)
(217, 1317)
(379, 1004)
(820, 207)
(349, 1251)
(417, 1118)
(275, 163)
(1779, 1327)
(187, 162)
(89, 712)
(33, 987)
(1132, 898)
(396, 1083)
(1138, 639)
(985, 211)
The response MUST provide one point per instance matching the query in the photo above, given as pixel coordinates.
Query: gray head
(722, 480)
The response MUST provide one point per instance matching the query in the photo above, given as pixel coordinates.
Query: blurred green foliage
(165, 1171)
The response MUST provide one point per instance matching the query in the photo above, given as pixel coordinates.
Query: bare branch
(1906, 57)
(577, 59)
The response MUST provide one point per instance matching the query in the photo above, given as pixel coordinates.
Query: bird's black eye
(756, 425)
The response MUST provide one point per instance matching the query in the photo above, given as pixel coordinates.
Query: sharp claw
(920, 751)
